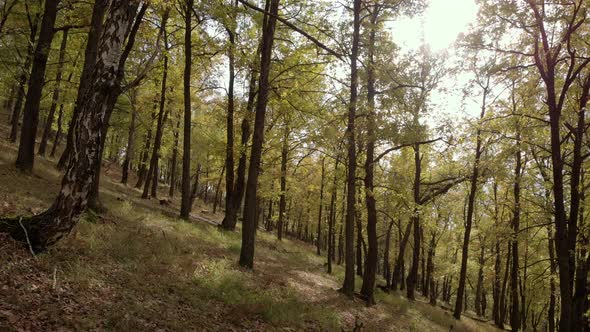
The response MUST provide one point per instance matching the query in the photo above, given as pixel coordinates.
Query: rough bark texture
(94, 196)
(47, 228)
(90, 58)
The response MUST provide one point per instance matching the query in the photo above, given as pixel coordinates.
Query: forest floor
(137, 267)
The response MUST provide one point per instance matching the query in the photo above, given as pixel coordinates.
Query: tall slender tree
(56, 91)
(348, 284)
(26, 148)
(249, 224)
(162, 116)
(185, 207)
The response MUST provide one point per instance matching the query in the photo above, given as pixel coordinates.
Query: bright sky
(441, 24)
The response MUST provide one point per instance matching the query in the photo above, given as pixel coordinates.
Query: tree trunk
(580, 300)
(268, 225)
(415, 220)
(9, 102)
(186, 206)
(227, 223)
(369, 276)
(142, 171)
(348, 284)
(129, 151)
(578, 273)
(332, 217)
(23, 78)
(26, 147)
(249, 224)
(479, 286)
(340, 245)
(428, 277)
(195, 187)
(556, 95)
(47, 228)
(319, 229)
(155, 180)
(217, 189)
(59, 132)
(497, 265)
(56, 91)
(386, 263)
(470, 209)
(162, 117)
(231, 212)
(359, 243)
(93, 197)
(553, 276)
(174, 160)
(515, 314)
(503, 291)
(90, 58)
(398, 270)
(282, 200)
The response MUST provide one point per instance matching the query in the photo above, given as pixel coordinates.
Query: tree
(228, 222)
(186, 205)
(90, 56)
(26, 147)
(348, 284)
(162, 117)
(484, 84)
(249, 224)
(24, 75)
(45, 229)
(55, 98)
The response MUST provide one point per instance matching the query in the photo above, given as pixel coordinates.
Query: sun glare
(439, 25)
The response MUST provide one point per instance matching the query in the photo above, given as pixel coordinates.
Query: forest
(293, 165)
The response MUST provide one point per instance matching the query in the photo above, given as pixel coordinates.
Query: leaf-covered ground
(139, 268)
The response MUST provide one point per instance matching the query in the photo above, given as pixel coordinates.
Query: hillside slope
(138, 267)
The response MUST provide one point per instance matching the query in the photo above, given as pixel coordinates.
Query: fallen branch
(26, 236)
